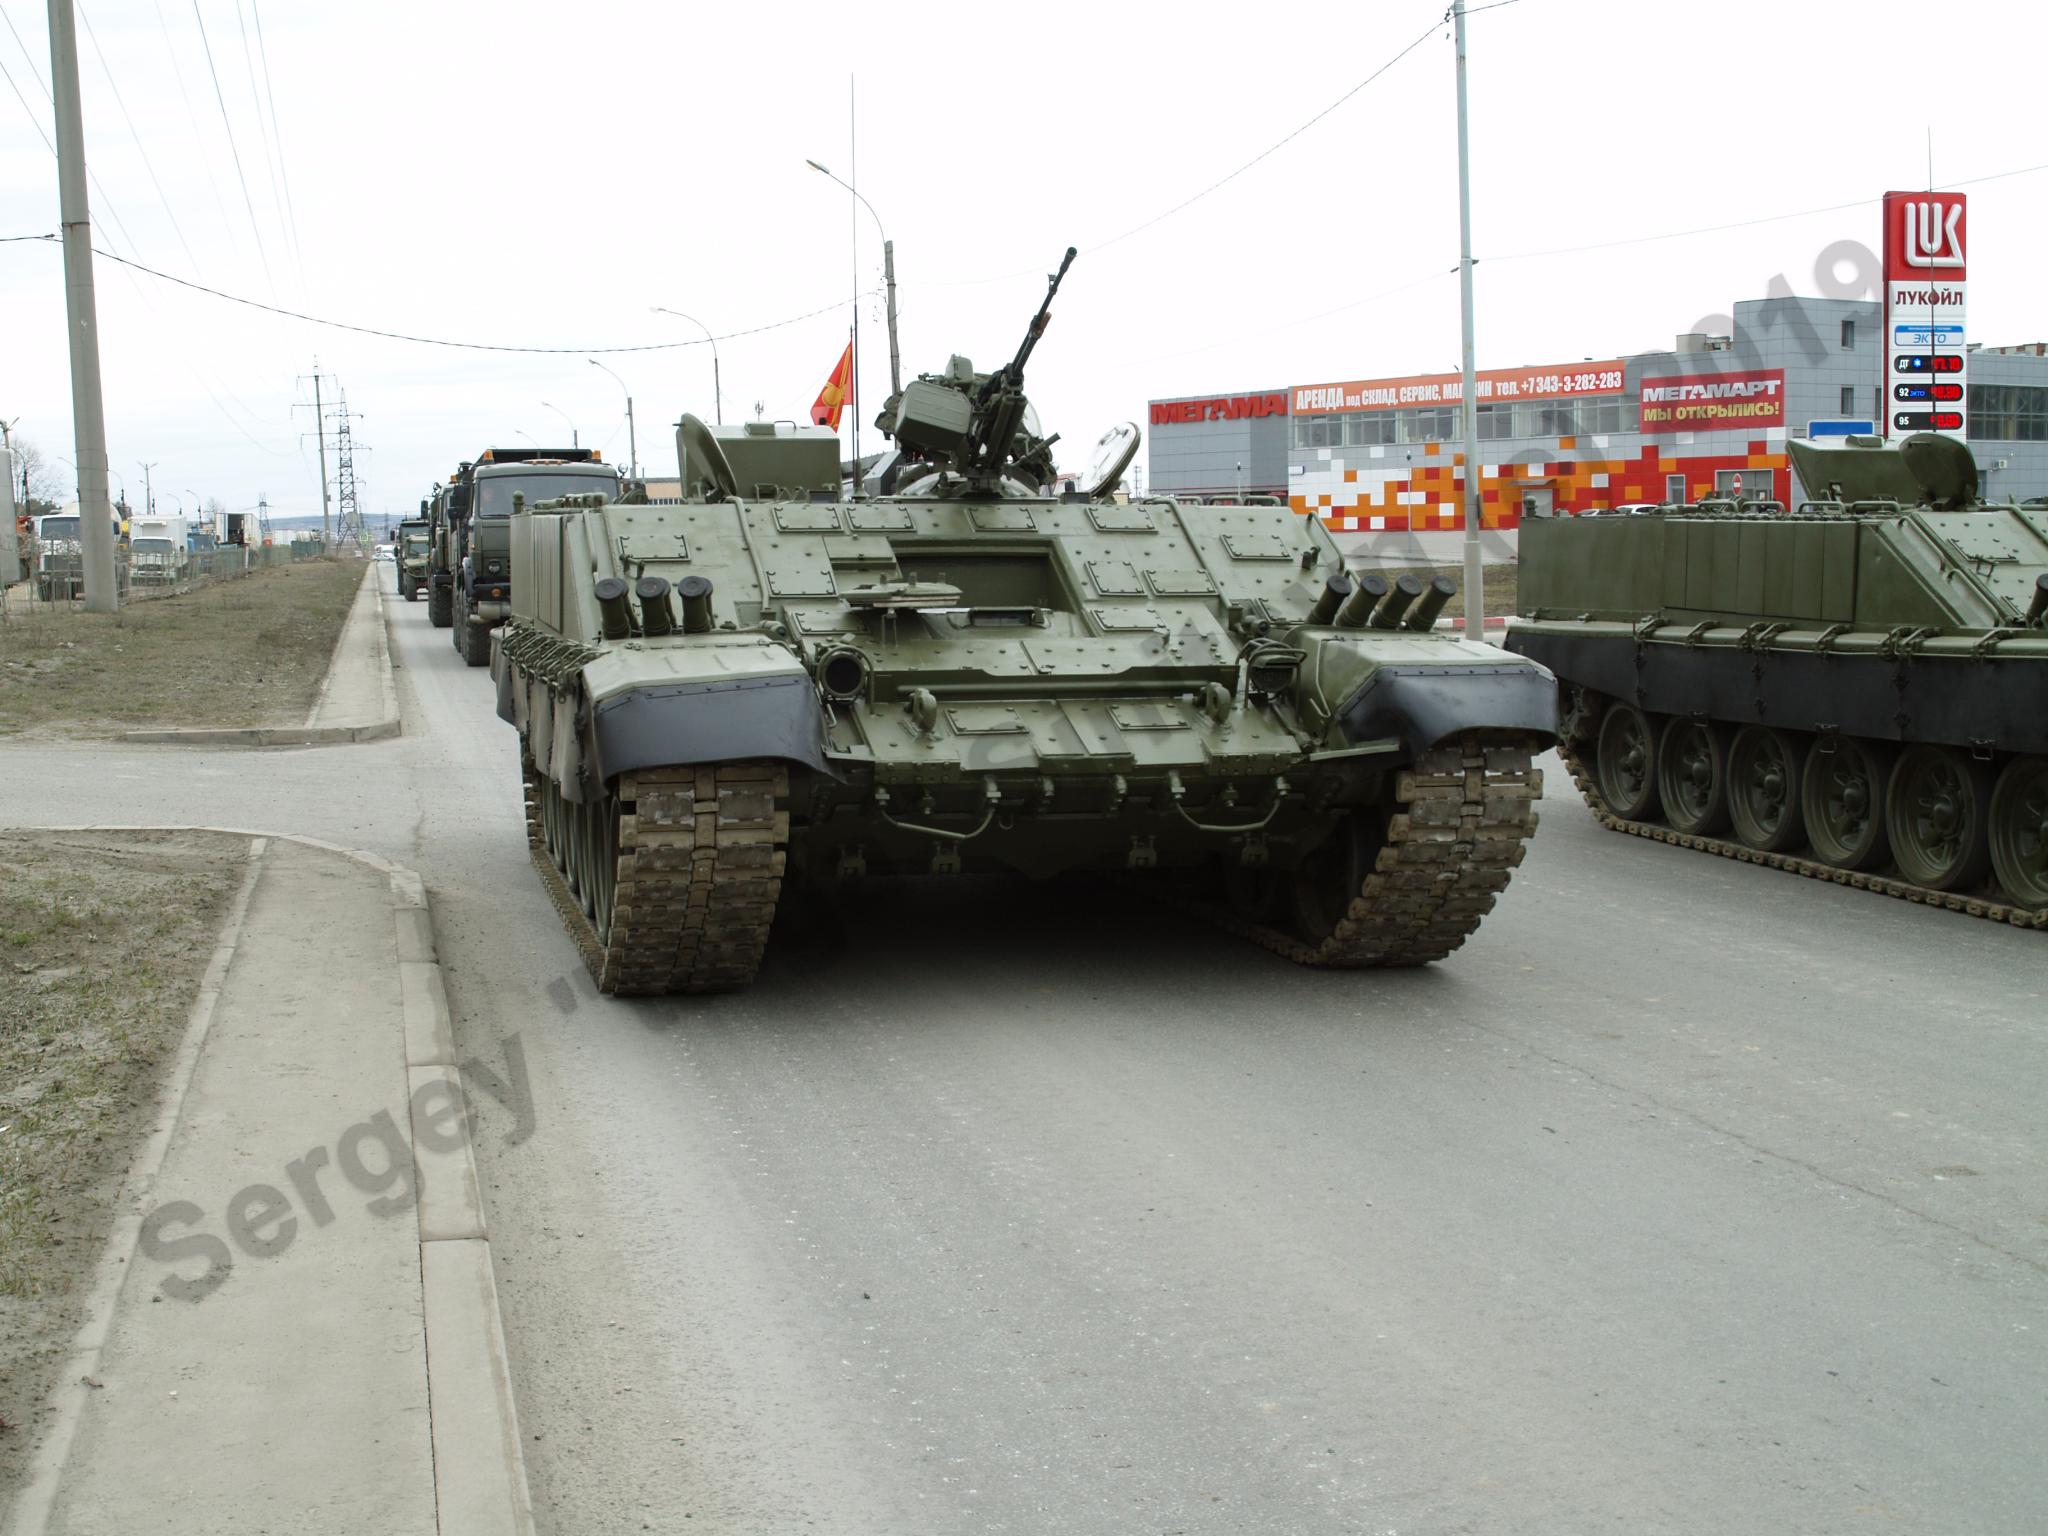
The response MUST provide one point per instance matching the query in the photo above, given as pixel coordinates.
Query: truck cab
(499, 481)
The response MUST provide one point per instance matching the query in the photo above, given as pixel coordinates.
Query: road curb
(473, 1423)
(384, 727)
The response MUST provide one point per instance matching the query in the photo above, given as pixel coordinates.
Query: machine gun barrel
(999, 403)
(1014, 374)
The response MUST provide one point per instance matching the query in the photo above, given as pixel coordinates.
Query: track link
(1888, 885)
(1462, 815)
(699, 864)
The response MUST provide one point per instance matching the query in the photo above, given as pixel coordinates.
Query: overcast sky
(541, 175)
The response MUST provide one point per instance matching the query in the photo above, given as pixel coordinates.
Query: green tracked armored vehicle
(770, 681)
(1858, 690)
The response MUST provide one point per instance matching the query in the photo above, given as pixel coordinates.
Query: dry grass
(244, 652)
(103, 939)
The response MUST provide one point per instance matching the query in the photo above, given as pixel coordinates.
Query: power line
(91, 175)
(1772, 218)
(234, 149)
(122, 102)
(31, 111)
(1273, 148)
(465, 346)
(192, 117)
(269, 155)
(277, 136)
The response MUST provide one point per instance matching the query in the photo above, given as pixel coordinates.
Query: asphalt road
(1689, 1197)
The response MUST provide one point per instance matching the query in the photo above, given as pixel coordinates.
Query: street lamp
(527, 435)
(148, 500)
(717, 390)
(888, 275)
(574, 440)
(632, 448)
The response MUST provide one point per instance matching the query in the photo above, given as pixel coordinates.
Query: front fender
(724, 719)
(1423, 705)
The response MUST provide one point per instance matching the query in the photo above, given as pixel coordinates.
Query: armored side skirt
(1951, 700)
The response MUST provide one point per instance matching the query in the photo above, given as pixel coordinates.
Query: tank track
(1463, 814)
(699, 870)
(1888, 885)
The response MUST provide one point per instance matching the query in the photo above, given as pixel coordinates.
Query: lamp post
(888, 275)
(148, 498)
(528, 436)
(717, 389)
(574, 440)
(632, 447)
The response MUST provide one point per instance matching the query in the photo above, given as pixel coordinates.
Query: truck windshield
(60, 527)
(494, 495)
(142, 544)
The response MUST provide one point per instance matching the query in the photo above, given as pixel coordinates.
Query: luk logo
(1933, 233)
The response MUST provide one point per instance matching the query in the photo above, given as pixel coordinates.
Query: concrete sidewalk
(295, 1327)
(358, 699)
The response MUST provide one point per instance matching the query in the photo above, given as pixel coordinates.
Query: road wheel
(439, 606)
(474, 641)
(1763, 789)
(1692, 776)
(1937, 808)
(1626, 763)
(1841, 795)
(2019, 830)
(460, 621)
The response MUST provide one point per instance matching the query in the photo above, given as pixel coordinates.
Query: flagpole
(853, 225)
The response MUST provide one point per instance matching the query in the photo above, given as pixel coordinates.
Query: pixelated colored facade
(1419, 489)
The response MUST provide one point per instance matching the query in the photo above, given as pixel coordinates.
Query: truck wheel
(461, 621)
(439, 600)
(476, 643)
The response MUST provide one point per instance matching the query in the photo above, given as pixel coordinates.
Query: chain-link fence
(56, 580)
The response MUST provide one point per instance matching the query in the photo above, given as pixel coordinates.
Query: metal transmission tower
(349, 527)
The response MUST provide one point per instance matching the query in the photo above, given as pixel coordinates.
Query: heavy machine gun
(979, 427)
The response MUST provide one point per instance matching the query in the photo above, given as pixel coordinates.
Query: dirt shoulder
(245, 652)
(103, 941)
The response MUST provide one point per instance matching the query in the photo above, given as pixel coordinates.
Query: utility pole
(148, 500)
(1475, 594)
(320, 428)
(88, 411)
(889, 279)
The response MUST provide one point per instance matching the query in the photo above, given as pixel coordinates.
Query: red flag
(831, 402)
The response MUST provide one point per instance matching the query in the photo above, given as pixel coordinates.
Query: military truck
(498, 481)
(771, 681)
(410, 552)
(447, 513)
(1851, 691)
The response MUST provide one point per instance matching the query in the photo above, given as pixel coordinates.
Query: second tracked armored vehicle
(1854, 690)
(771, 682)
